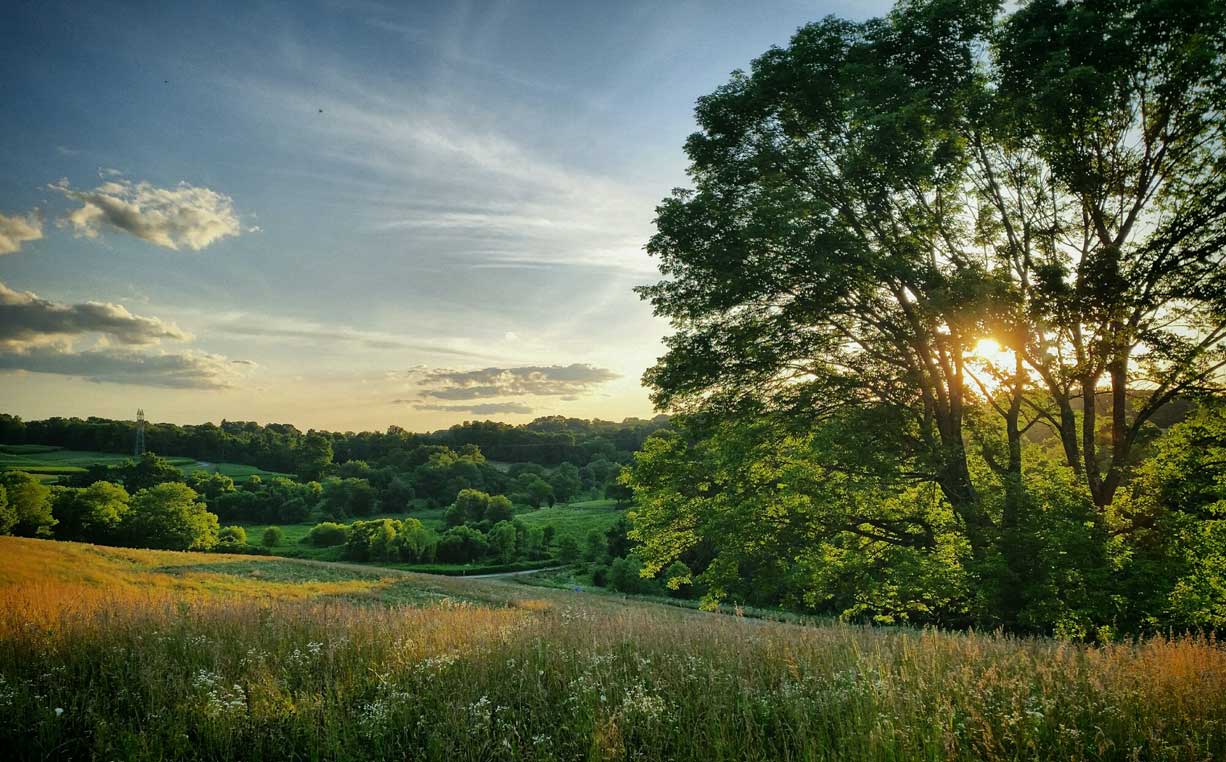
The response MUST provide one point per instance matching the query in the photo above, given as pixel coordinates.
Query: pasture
(50, 463)
(574, 519)
(128, 654)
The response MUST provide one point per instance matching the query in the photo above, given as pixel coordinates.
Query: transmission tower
(140, 433)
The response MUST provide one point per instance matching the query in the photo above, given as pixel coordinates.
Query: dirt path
(502, 574)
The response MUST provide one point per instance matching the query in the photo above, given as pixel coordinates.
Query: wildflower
(58, 711)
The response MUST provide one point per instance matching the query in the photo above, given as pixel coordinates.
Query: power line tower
(140, 433)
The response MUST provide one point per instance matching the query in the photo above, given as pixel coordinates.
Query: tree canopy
(942, 231)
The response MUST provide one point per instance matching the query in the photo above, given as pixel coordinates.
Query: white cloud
(26, 319)
(184, 216)
(17, 229)
(564, 381)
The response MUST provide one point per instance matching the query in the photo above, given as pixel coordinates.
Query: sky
(347, 214)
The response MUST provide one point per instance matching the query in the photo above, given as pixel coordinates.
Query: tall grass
(153, 671)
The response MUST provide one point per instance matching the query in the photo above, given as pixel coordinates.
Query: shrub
(327, 534)
(473, 503)
(625, 577)
(234, 535)
(502, 540)
(461, 545)
(372, 540)
(597, 545)
(273, 537)
(415, 543)
(600, 575)
(568, 550)
(499, 509)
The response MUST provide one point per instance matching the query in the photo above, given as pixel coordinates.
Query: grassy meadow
(128, 654)
(49, 463)
(574, 519)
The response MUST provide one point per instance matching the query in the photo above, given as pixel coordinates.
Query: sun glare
(990, 352)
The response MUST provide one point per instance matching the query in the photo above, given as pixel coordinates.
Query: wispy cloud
(313, 333)
(16, 229)
(184, 216)
(435, 156)
(480, 408)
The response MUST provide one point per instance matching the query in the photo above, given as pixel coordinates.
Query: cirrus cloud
(184, 216)
(16, 229)
(480, 408)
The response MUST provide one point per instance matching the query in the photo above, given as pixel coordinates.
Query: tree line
(282, 447)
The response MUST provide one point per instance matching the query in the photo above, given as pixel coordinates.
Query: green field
(49, 463)
(114, 653)
(575, 519)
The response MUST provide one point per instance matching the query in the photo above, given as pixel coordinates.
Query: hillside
(119, 653)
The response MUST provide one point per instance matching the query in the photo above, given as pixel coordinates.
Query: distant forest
(547, 441)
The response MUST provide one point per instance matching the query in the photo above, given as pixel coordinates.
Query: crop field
(49, 463)
(128, 654)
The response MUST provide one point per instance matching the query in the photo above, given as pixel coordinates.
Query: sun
(990, 352)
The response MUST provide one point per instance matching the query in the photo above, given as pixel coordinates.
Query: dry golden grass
(165, 655)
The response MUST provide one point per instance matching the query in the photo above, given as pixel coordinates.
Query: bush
(235, 535)
(600, 575)
(625, 577)
(502, 540)
(462, 545)
(568, 550)
(455, 516)
(273, 537)
(473, 503)
(499, 509)
(372, 540)
(597, 545)
(415, 543)
(327, 534)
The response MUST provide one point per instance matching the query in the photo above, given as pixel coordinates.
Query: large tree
(876, 200)
(169, 516)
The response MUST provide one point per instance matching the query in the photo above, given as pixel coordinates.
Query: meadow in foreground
(124, 654)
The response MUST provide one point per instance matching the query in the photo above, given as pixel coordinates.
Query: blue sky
(346, 214)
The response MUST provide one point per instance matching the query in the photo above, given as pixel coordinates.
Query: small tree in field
(273, 537)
